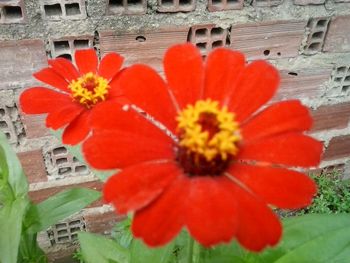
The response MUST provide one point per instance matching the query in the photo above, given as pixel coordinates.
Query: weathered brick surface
(46, 190)
(340, 82)
(317, 29)
(142, 47)
(208, 37)
(339, 147)
(63, 9)
(306, 83)
(126, 7)
(12, 11)
(34, 125)
(10, 121)
(19, 60)
(33, 165)
(176, 5)
(66, 46)
(220, 5)
(338, 35)
(101, 222)
(331, 117)
(309, 2)
(267, 2)
(268, 39)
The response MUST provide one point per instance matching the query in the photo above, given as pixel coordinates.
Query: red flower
(76, 92)
(225, 162)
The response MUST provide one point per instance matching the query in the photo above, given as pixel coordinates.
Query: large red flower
(217, 160)
(76, 92)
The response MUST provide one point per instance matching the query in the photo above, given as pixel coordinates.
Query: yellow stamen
(89, 89)
(207, 130)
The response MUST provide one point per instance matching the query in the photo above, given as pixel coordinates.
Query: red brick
(331, 117)
(268, 39)
(33, 166)
(176, 6)
(101, 222)
(338, 35)
(34, 125)
(299, 84)
(339, 147)
(144, 46)
(220, 5)
(19, 60)
(41, 194)
(309, 2)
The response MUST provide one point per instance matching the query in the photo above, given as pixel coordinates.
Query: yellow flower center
(208, 137)
(89, 89)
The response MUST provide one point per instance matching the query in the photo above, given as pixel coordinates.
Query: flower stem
(190, 250)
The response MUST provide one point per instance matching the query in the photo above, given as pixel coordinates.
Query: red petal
(163, 219)
(115, 90)
(183, 67)
(77, 130)
(86, 61)
(138, 185)
(290, 149)
(110, 65)
(222, 69)
(145, 88)
(118, 149)
(256, 85)
(211, 217)
(280, 187)
(51, 77)
(113, 116)
(64, 68)
(258, 226)
(278, 118)
(38, 100)
(63, 116)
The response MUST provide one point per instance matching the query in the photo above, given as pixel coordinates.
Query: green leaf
(312, 238)
(122, 233)
(141, 253)
(95, 248)
(316, 238)
(58, 207)
(11, 172)
(11, 217)
(29, 250)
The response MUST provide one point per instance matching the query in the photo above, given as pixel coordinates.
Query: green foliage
(95, 248)
(20, 220)
(309, 238)
(58, 207)
(333, 195)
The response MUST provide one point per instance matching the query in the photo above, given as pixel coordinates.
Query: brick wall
(308, 40)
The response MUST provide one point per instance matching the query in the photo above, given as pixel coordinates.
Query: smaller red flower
(76, 93)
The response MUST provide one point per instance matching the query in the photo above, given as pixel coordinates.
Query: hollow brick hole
(66, 56)
(81, 43)
(72, 9)
(53, 10)
(60, 46)
(12, 12)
